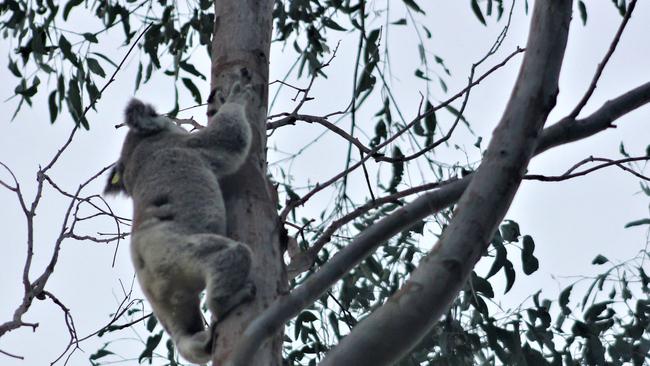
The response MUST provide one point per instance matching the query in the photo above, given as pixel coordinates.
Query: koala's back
(174, 185)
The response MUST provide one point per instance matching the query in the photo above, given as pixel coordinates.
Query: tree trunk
(241, 46)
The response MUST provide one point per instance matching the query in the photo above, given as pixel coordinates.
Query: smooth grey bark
(391, 331)
(241, 46)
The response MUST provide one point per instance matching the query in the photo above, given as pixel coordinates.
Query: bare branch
(603, 63)
(373, 152)
(36, 288)
(11, 355)
(304, 260)
(608, 162)
(569, 129)
(530, 103)
(411, 312)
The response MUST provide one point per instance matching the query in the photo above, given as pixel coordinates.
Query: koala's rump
(177, 185)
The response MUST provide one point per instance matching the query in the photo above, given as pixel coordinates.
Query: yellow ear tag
(116, 178)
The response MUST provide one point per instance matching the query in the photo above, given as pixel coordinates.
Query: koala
(178, 243)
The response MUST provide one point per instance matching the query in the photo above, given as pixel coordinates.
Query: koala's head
(144, 123)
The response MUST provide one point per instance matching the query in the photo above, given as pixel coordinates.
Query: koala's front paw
(240, 94)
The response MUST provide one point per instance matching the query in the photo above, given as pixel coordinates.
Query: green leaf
(427, 31)
(480, 284)
(75, 107)
(477, 11)
(600, 259)
(510, 231)
(398, 170)
(499, 259)
(54, 111)
(193, 89)
(443, 85)
(411, 4)
(25, 91)
(621, 149)
(329, 23)
(564, 300)
(401, 21)
(334, 322)
(94, 66)
(529, 262)
(441, 62)
(420, 74)
(430, 121)
(151, 323)
(456, 112)
(583, 12)
(509, 271)
(13, 67)
(638, 223)
(104, 58)
(152, 343)
(100, 353)
(191, 69)
(366, 82)
(592, 313)
(66, 49)
(90, 37)
(171, 353)
(68, 7)
(138, 77)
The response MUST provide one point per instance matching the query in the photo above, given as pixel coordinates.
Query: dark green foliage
(43, 48)
(583, 12)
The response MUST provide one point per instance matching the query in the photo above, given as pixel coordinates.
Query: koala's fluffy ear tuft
(142, 118)
(115, 184)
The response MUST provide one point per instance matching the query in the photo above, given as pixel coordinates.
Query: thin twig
(603, 63)
(607, 162)
(374, 151)
(11, 355)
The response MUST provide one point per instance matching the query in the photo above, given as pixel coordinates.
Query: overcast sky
(571, 221)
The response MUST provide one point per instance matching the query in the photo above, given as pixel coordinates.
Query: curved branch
(372, 153)
(411, 312)
(606, 163)
(566, 131)
(603, 63)
(532, 98)
(569, 129)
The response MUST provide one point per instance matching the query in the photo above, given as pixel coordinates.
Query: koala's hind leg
(227, 266)
(181, 317)
(172, 281)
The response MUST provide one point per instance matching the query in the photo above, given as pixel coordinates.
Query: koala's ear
(115, 184)
(142, 118)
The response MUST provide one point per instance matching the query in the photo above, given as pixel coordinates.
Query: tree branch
(373, 153)
(569, 129)
(607, 162)
(532, 99)
(603, 63)
(565, 131)
(391, 331)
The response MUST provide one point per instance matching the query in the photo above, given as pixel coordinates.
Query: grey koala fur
(178, 243)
